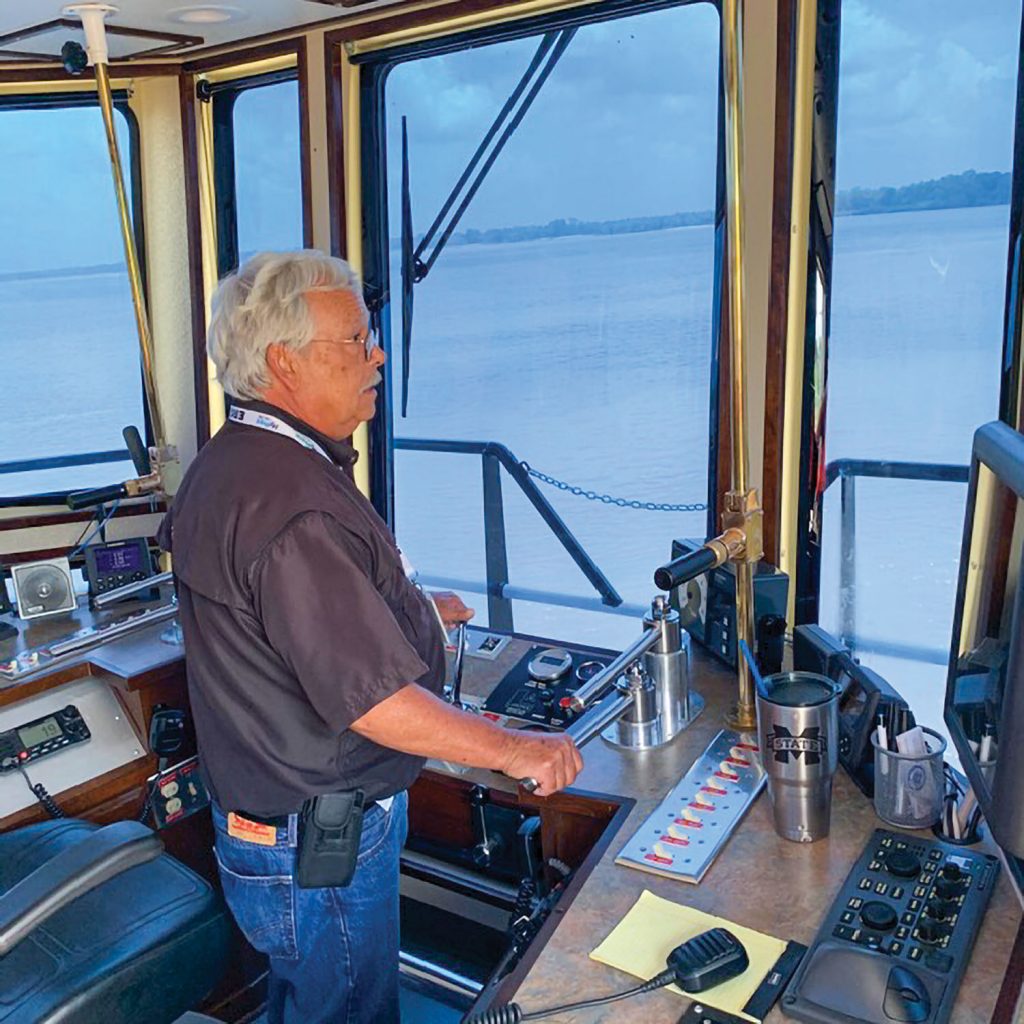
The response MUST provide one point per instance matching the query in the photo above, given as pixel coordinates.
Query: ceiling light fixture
(206, 14)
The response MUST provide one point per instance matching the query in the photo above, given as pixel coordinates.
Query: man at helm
(314, 665)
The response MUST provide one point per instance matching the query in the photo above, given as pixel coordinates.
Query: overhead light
(205, 14)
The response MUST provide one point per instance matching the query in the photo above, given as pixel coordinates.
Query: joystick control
(903, 864)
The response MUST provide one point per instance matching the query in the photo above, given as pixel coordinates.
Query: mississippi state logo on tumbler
(798, 722)
(810, 745)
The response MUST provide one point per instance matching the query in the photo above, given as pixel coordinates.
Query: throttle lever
(588, 725)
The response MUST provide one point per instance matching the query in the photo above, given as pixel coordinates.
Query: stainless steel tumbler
(798, 727)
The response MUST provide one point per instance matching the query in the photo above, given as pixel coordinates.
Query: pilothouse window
(71, 368)
(925, 148)
(567, 321)
(257, 167)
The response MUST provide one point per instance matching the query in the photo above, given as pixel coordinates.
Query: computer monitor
(984, 707)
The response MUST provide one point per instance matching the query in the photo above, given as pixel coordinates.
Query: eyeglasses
(368, 341)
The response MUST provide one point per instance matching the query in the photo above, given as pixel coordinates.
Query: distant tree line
(971, 188)
(989, 188)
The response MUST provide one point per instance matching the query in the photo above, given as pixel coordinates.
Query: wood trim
(333, 57)
(61, 518)
(305, 155)
(403, 20)
(778, 289)
(196, 282)
(56, 73)
(1013, 983)
(247, 55)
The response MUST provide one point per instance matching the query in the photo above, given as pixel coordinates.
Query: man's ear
(281, 365)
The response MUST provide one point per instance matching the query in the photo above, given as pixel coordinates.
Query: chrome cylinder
(640, 727)
(668, 665)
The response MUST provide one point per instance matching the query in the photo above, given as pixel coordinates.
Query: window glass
(69, 347)
(570, 316)
(268, 168)
(925, 140)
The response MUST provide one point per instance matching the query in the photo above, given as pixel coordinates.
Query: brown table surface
(758, 880)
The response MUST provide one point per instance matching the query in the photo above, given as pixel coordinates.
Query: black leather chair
(99, 926)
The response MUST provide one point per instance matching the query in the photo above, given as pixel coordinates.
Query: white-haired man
(314, 664)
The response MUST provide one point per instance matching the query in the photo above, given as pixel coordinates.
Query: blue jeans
(333, 952)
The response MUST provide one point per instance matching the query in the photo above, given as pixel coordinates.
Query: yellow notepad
(654, 927)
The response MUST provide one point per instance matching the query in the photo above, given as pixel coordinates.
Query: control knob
(931, 931)
(903, 864)
(940, 910)
(951, 881)
(879, 916)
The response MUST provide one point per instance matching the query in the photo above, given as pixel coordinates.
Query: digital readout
(40, 732)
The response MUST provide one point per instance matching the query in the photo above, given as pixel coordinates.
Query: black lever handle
(97, 496)
(137, 450)
(685, 568)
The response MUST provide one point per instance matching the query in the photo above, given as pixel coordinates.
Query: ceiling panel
(215, 23)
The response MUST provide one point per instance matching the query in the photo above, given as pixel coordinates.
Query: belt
(281, 820)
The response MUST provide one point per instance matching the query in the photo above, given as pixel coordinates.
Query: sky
(624, 127)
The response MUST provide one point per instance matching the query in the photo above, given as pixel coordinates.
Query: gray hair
(262, 303)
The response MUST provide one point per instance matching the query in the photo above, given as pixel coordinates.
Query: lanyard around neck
(266, 421)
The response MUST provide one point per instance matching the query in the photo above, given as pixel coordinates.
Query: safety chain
(607, 499)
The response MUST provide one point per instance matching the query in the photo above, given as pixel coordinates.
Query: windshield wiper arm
(415, 266)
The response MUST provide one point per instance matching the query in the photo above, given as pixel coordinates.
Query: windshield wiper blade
(408, 270)
(415, 266)
(548, 54)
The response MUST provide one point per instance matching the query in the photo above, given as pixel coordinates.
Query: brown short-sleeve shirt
(298, 619)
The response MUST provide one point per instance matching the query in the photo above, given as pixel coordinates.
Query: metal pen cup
(910, 788)
(798, 725)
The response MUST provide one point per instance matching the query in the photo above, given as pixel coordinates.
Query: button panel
(918, 902)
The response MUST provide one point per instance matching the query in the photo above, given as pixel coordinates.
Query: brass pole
(131, 257)
(742, 505)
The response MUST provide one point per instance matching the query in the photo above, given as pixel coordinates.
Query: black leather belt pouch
(330, 827)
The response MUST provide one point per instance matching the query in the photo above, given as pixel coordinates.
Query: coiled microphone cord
(43, 796)
(513, 1013)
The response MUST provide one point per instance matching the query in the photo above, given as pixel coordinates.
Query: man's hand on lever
(416, 722)
(551, 759)
(451, 608)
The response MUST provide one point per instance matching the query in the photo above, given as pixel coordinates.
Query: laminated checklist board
(691, 825)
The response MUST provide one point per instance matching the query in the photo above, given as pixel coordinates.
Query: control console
(539, 686)
(42, 736)
(896, 941)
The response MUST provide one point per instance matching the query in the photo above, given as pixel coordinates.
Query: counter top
(759, 879)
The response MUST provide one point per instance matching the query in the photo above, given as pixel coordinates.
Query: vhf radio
(865, 696)
(33, 740)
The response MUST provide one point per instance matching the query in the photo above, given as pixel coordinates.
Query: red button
(565, 702)
(23, 756)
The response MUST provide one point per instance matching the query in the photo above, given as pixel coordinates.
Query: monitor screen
(985, 685)
(121, 558)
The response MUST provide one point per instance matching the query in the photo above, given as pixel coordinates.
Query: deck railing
(500, 592)
(848, 471)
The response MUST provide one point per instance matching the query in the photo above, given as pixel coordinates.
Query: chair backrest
(147, 944)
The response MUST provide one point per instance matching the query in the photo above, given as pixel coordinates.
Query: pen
(883, 742)
(985, 752)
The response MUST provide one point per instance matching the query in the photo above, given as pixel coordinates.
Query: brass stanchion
(92, 16)
(742, 505)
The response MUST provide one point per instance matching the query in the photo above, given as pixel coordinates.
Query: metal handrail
(847, 471)
(64, 461)
(494, 456)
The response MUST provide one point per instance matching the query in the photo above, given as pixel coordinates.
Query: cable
(41, 794)
(513, 1012)
(99, 526)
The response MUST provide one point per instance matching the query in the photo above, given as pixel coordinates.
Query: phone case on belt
(330, 827)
